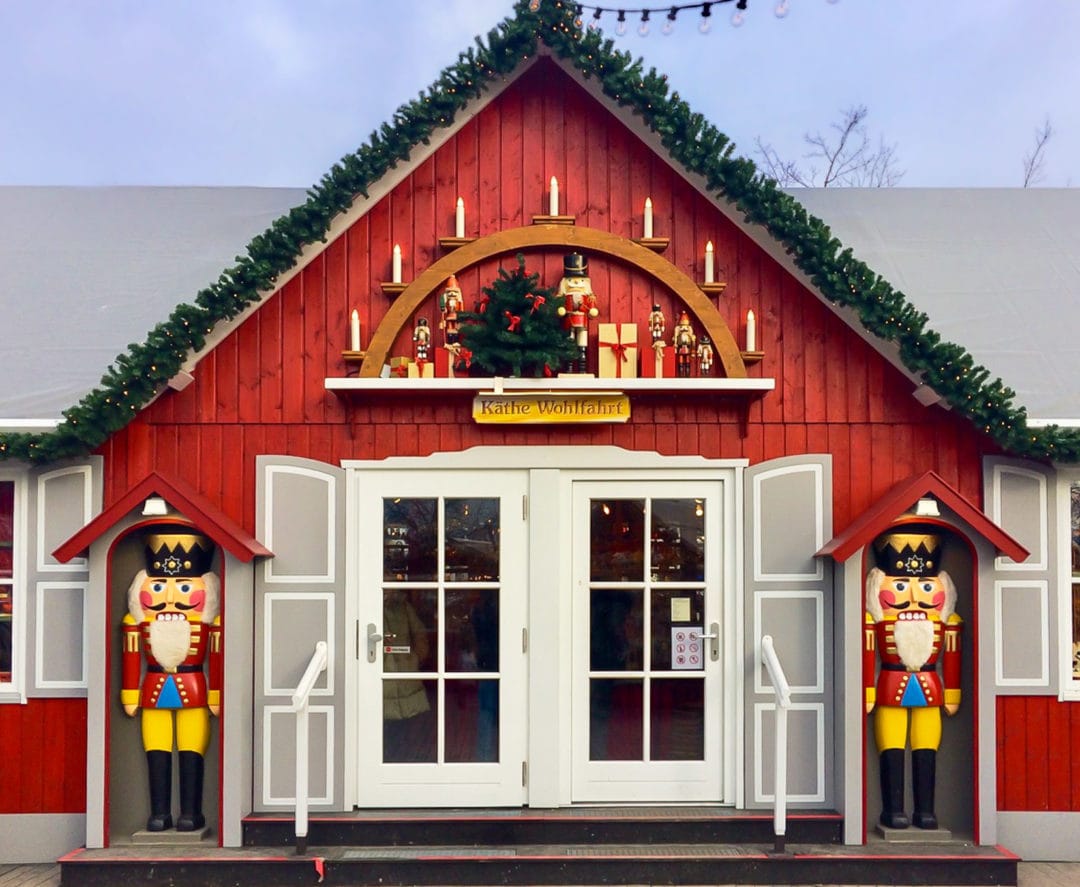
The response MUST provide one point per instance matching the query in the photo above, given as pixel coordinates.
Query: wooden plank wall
(43, 750)
(1038, 751)
(262, 390)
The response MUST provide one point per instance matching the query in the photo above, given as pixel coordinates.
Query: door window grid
(637, 591)
(443, 555)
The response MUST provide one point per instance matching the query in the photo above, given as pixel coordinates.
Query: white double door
(447, 711)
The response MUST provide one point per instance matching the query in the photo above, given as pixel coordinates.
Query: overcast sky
(272, 92)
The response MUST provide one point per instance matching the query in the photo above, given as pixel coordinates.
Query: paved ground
(1032, 874)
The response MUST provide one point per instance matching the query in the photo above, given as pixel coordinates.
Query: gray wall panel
(787, 594)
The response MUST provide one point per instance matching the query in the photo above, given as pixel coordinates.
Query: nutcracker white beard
(170, 640)
(914, 641)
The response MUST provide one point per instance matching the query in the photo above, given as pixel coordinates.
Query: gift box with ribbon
(658, 362)
(618, 352)
(422, 369)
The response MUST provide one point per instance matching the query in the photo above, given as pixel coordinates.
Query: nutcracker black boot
(191, 786)
(892, 789)
(159, 766)
(923, 774)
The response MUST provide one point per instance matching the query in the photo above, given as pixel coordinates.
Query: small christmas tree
(516, 329)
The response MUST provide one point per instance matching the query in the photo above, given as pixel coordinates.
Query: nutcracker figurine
(422, 340)
(685, 342)
(911, 627)
(173, 623)
(579, 304)
(657, 323)
(450, 305)
(705, 356)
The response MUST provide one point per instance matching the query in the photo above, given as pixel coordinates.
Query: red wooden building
(547, 565)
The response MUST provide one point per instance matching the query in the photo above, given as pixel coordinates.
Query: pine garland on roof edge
(138, 374)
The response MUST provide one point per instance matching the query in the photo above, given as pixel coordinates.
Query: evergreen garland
(141, 372)
(516, 329)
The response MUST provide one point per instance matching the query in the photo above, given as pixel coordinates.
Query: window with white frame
(7, 582)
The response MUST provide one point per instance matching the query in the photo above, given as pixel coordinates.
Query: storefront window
(7, 577)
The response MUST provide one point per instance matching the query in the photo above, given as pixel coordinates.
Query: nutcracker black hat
(178, 551)
(575, 265)
(910, 550)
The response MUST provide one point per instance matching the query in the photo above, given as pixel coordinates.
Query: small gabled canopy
(900, 500)
(193, 505)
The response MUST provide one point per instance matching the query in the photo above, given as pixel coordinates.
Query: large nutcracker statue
(173, 624)
(578, 304)
(911, 628)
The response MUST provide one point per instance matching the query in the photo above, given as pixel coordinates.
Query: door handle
(373, 638)
(713, 636)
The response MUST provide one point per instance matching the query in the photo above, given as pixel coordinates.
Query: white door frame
(552, 472)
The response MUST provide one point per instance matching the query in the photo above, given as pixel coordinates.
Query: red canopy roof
(191, 504)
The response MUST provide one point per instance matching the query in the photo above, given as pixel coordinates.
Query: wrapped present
(617, 350)
(652, 360)
(399, 367)
(422, 369)
(443, 358)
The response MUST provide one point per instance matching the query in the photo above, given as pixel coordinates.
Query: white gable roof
(996, 270)
(84, 272)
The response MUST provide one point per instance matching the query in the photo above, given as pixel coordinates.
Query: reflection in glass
(410, 719)
(472, 540)
(616, 622)
(472, 721)
(673, 607)
(472, 629)
(677, 719)
(617, 530)
(409, 532)
(615, 719)
(678, 540)
(410, 628)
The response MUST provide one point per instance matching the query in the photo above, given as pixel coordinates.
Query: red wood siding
(43, 750)
(262, 389)
(1038, 752)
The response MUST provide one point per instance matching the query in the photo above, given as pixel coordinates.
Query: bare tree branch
(1035, 162)
(847, 156)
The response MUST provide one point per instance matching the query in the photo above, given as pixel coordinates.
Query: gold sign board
(549, 408)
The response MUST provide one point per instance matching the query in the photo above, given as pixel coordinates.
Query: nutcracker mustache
(163, 605)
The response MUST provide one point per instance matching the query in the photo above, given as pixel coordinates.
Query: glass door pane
(649, 609)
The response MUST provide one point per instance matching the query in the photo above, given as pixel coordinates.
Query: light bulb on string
(643, 29)
(620, 26)
(705, 25)
(782, 9)
(579, 10)
(669, 25)
(739, 16)
(595, 23)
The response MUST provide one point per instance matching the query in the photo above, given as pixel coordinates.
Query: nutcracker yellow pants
(891, 727)
(192, 729)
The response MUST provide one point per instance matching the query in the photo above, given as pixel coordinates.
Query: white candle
(553, 203)
(459, 219)
(648, 217)
(709, 262)
(396, 270)
(751, 331)
(354, 331)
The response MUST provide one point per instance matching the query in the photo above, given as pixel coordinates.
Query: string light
(781, 9)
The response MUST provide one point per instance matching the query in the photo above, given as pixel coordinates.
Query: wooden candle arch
(530, 236)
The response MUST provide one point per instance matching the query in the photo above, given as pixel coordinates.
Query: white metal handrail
(783, 703)
(315, 667)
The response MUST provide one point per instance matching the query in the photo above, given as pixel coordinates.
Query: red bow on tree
(515, 321)
(464, 358)
(481, 306)
(537, 301)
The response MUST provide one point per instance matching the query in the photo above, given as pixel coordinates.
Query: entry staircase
(589, 846)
